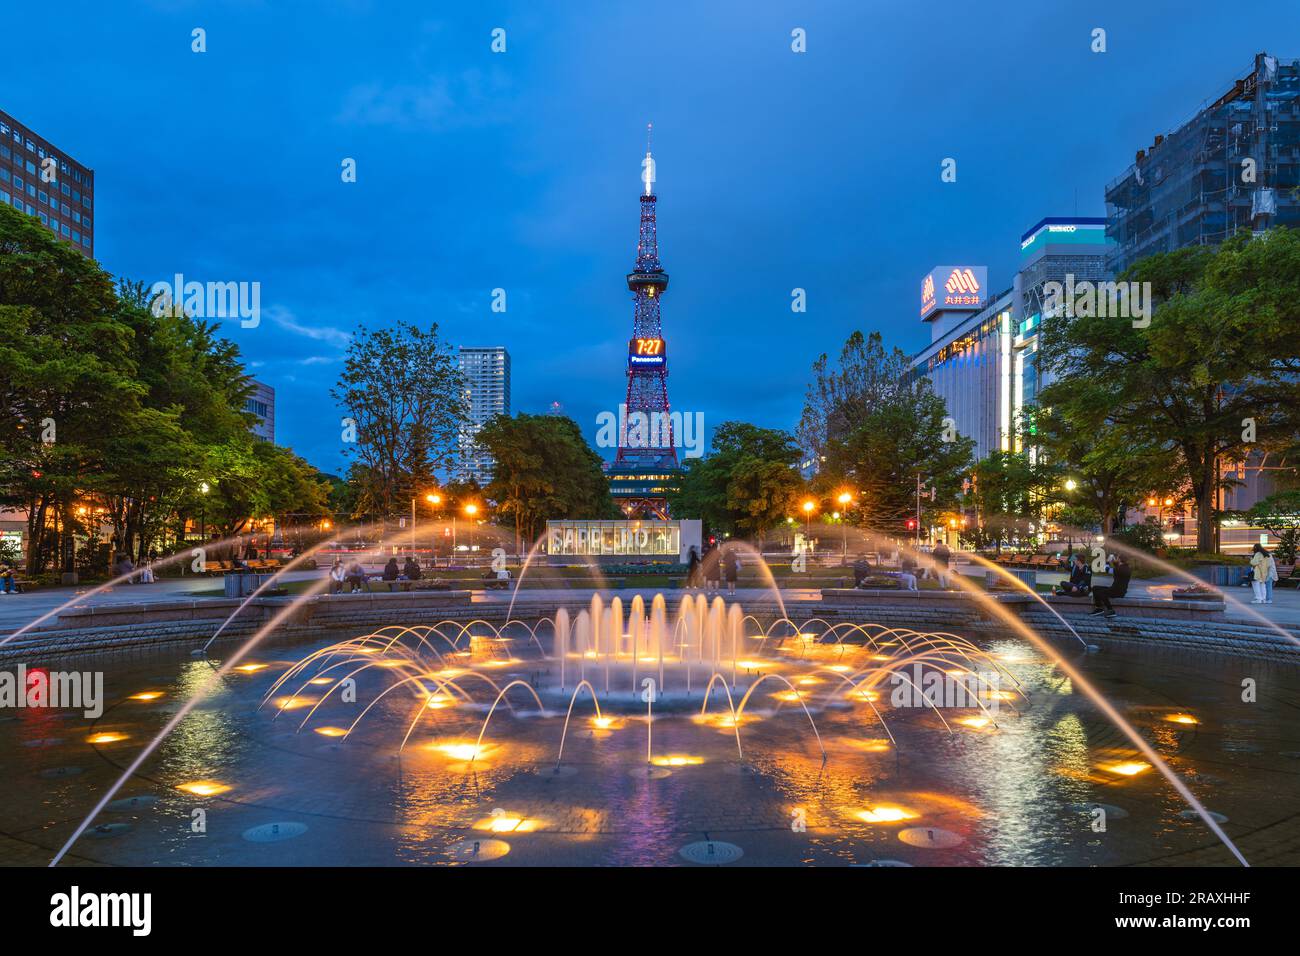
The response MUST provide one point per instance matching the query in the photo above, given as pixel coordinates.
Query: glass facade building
(646, 540)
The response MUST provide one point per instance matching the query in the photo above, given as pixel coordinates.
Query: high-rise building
(983, 354)
(45, 182)
(262, 404)
(487, 393)
(1233, 167)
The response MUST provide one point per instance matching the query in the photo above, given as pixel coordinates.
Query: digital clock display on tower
(645, 352)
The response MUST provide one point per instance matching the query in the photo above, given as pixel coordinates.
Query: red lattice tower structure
(647, 406)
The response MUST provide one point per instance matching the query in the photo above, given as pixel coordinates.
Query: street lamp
(845, 499)
(808, 507)
(471, 510)
(204, 488)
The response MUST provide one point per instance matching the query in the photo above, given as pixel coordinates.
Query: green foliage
(122, 411)
(544, 470)
(1279, 514)
(745, 486)
(874, 427)
(404, 392)
(1222, 350)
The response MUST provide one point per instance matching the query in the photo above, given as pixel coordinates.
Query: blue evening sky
(520, 170)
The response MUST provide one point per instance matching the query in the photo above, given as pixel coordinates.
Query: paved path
(17, 610)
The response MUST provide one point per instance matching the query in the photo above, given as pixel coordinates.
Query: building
(622, 542)
(982, 357)
(487, 393)
(43, 181)
(1233, 167)
(262, 404)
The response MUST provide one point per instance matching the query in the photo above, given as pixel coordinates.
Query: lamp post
(204, 488)
(434, 499)
(808, 507)
(845, 499)
(471, 510)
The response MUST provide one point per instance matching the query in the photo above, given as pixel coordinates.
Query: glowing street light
(1071, 484)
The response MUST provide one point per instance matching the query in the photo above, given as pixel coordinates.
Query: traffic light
(911, 524)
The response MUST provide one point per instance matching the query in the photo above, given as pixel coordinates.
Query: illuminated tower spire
(647, 437)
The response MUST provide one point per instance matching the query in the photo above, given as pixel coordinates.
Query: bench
(22, 585)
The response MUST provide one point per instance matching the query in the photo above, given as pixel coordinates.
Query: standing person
(146, 576)
(1259, 564)
(1270, 578)
(1102, 594)
(941, 556)
(693, 568)
(337, 574)
(712, 571)
(730, 568)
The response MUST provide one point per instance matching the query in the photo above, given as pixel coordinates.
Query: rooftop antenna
(648, 164)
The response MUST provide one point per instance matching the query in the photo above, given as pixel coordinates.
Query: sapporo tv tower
(646, 466)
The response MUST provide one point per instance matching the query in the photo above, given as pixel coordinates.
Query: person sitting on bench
(1080, 582)
(1102, 594)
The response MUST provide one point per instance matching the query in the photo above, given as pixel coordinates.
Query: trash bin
(998, 579)
(243, 583)
(1217, 575)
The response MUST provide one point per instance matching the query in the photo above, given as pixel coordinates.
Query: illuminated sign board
(954, 288)
(1056, 230)
(642, 353)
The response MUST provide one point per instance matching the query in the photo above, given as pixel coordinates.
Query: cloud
(318, 333)
(441, 102)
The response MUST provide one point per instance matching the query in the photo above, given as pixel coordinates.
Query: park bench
(1287, 577)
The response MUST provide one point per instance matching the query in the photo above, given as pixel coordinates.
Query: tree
(1008, 493)
(404, 394)
(745, 485)
(1110, 474)
(875, 427)
(66, 380)
(543, 470)
(1279, 514)
(1213, 377)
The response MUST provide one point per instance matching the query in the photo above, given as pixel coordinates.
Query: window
(43, 196)
(45, 220)
(66, 189)
(54, 203)
(4, 151)
(76, 216)
(31, 167)
(76, 235)
(64, 227)
(18, 183)
(31, 190)
(4, 196)
(85, 221)
(4, 175)
(64, 209)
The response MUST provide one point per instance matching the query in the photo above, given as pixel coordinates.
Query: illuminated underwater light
(146, 695)
(1181, 719)
(885, 813)
(105, 738)
(1129, 768)
(204, 788)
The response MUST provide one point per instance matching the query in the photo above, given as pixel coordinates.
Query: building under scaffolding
(1233, 167)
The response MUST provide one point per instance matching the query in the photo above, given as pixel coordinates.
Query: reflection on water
(1018, 786)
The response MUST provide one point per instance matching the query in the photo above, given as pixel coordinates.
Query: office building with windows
(983, 354)
(1233, 167)
(43, 181)
(262, 404)
(487, 393)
